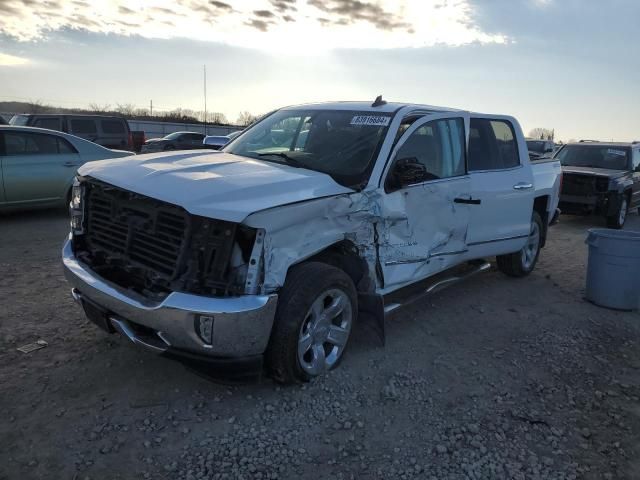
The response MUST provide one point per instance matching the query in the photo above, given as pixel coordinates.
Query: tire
(301, 347)
(617, 220)
(522, 263)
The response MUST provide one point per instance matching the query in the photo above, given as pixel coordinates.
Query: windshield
(19, 120)
(594, 156)
(342, 144)
(173, 136)
(536, 146)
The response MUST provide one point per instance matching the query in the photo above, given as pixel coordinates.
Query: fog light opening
(204, 328)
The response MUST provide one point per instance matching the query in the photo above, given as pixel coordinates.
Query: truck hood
(214, 184)
(596, 172)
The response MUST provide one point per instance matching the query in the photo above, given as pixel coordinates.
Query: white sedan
(37, 166)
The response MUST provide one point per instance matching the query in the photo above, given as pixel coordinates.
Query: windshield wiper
(290, 161)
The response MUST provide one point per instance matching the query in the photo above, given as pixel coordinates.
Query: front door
(502, 181)
(37, 167)
(426, 203)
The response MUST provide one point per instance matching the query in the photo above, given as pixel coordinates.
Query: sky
(568, 65)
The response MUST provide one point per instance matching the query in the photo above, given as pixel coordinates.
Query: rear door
(37, 167)
(502, 180)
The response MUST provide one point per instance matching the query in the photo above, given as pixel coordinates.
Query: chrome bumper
(241, 325)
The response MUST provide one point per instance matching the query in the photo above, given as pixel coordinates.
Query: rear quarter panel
(547, 177)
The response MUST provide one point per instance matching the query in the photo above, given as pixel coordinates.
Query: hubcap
(623, 211)
(324, 332)
(530, 250)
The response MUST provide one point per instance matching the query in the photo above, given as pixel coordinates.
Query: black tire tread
(612, 220)
(303, 284)
(511, 264)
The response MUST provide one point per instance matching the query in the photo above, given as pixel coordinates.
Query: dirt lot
(494, 378)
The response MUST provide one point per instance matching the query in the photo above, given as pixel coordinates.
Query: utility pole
(205, 98)
(151, 108)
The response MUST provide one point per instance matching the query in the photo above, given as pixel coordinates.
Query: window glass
(492, 145)
(340, 143)
(83, 126)
(595, 156)
(49, 123)
(636, 158)
(438, 146)
(30, 144)
(113, 126)
(65, 147)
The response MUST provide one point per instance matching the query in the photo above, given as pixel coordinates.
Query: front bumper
(599, 203)
(241, 325)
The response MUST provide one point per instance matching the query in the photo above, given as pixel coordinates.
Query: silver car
(37, 166)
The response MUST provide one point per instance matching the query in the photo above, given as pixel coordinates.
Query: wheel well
(345, 256)
(540, 206)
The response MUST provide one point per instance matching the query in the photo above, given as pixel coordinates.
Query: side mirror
(407, 171)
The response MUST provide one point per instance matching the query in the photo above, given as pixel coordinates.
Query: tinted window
(492, 145)
(115, 127)
(341, 143)
(65, 147)
(83, 126)
(35, 144)
(438, 146)
(50, 123)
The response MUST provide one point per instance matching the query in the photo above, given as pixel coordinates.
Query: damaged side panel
(296, 232)
(403, 236)
(423, 230)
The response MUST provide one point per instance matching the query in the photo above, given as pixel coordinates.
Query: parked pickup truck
(272, 248)
(600, 178)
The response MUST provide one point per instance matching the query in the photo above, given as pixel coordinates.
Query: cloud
(347, 12)
(259, 24)
(7, 60)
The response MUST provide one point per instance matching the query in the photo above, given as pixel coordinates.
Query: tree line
(133, 112)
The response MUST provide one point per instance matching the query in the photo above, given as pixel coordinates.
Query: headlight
(76, 195)
(76, 208)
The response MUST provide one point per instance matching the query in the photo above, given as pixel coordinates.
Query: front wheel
(617, 219)
(317, 308)
(522, 263)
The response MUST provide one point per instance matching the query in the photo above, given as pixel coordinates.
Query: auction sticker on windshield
(620, 153)
(371, 120)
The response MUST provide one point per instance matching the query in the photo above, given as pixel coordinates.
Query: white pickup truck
(317, 215)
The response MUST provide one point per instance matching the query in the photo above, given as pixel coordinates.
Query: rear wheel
(522, 263)
(316, 312)
(617, 219)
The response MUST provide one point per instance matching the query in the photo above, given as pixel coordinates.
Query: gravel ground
(494, 378)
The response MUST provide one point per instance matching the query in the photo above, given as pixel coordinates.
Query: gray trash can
(613, 272)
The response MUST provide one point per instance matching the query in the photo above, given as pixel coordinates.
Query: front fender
(299, 231)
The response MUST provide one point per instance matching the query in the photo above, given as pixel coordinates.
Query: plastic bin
(613, 271)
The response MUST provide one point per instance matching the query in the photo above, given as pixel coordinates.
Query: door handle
(523, 186)
(70, 164)
(468, 201)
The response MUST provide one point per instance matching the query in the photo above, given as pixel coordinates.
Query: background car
(38, 166)
(110, 132)
(601, 178)
(540, 148)
(216, 142)
(174, 141)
